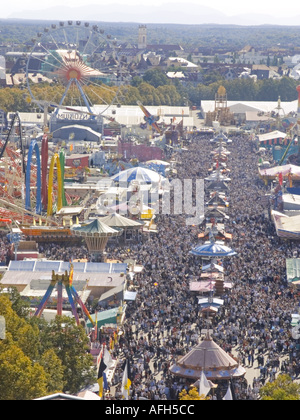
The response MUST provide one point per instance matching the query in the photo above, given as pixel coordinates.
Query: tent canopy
(104, 317)
(138, 174)
(209, 358)
(272, 138)
(285, 170)
(96, 227)
(116, 220)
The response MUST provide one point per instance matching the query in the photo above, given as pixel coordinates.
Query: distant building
(182, 62)
(142, 41)
(264, 72)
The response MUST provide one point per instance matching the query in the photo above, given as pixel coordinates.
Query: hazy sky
(229, 7)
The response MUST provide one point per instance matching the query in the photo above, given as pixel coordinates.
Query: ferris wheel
(80, 62)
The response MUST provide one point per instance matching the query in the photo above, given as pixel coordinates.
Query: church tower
(142, 42)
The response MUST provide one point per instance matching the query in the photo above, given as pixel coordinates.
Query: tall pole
(298, 121)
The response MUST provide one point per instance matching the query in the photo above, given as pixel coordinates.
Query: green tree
(282, 389)
(21, 379)
(287, 89)
(268, 90)
(146, 91)
(70, 344)
(54, 371)
(155, 77)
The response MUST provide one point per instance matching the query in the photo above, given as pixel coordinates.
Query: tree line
(155, 89)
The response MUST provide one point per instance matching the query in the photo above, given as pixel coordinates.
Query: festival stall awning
(111, 316)
(217, 176)
(130, 296)
(274, 138)
(215, 302)
(202, 286)
(285, 170)
(291, 202)
(117, 293)
(287, 227)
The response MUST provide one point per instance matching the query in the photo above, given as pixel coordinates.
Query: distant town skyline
(231, 8)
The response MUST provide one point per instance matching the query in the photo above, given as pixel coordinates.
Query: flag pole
(103, 392)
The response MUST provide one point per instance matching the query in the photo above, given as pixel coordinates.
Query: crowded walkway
(254, 322)
(165, 321)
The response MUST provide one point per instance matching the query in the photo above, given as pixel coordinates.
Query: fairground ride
(84, 60)
(58, 281)
(172, 131)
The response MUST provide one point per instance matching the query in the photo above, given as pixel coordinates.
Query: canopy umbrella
(213, 249)
(138, 174)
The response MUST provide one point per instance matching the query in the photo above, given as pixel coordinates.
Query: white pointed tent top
(116, 220)
(210, 358)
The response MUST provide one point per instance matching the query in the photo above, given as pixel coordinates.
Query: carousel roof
(95, 228)
(209, 358)
(213, 249)
(138, 174)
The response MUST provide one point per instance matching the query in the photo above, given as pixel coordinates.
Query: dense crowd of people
(255, 321)
(165, 321)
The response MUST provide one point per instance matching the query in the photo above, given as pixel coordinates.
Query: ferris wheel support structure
(83, 59)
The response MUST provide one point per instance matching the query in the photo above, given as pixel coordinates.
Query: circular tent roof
(138, 174)
(213, 249)
(95, 228)
(209, 358)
